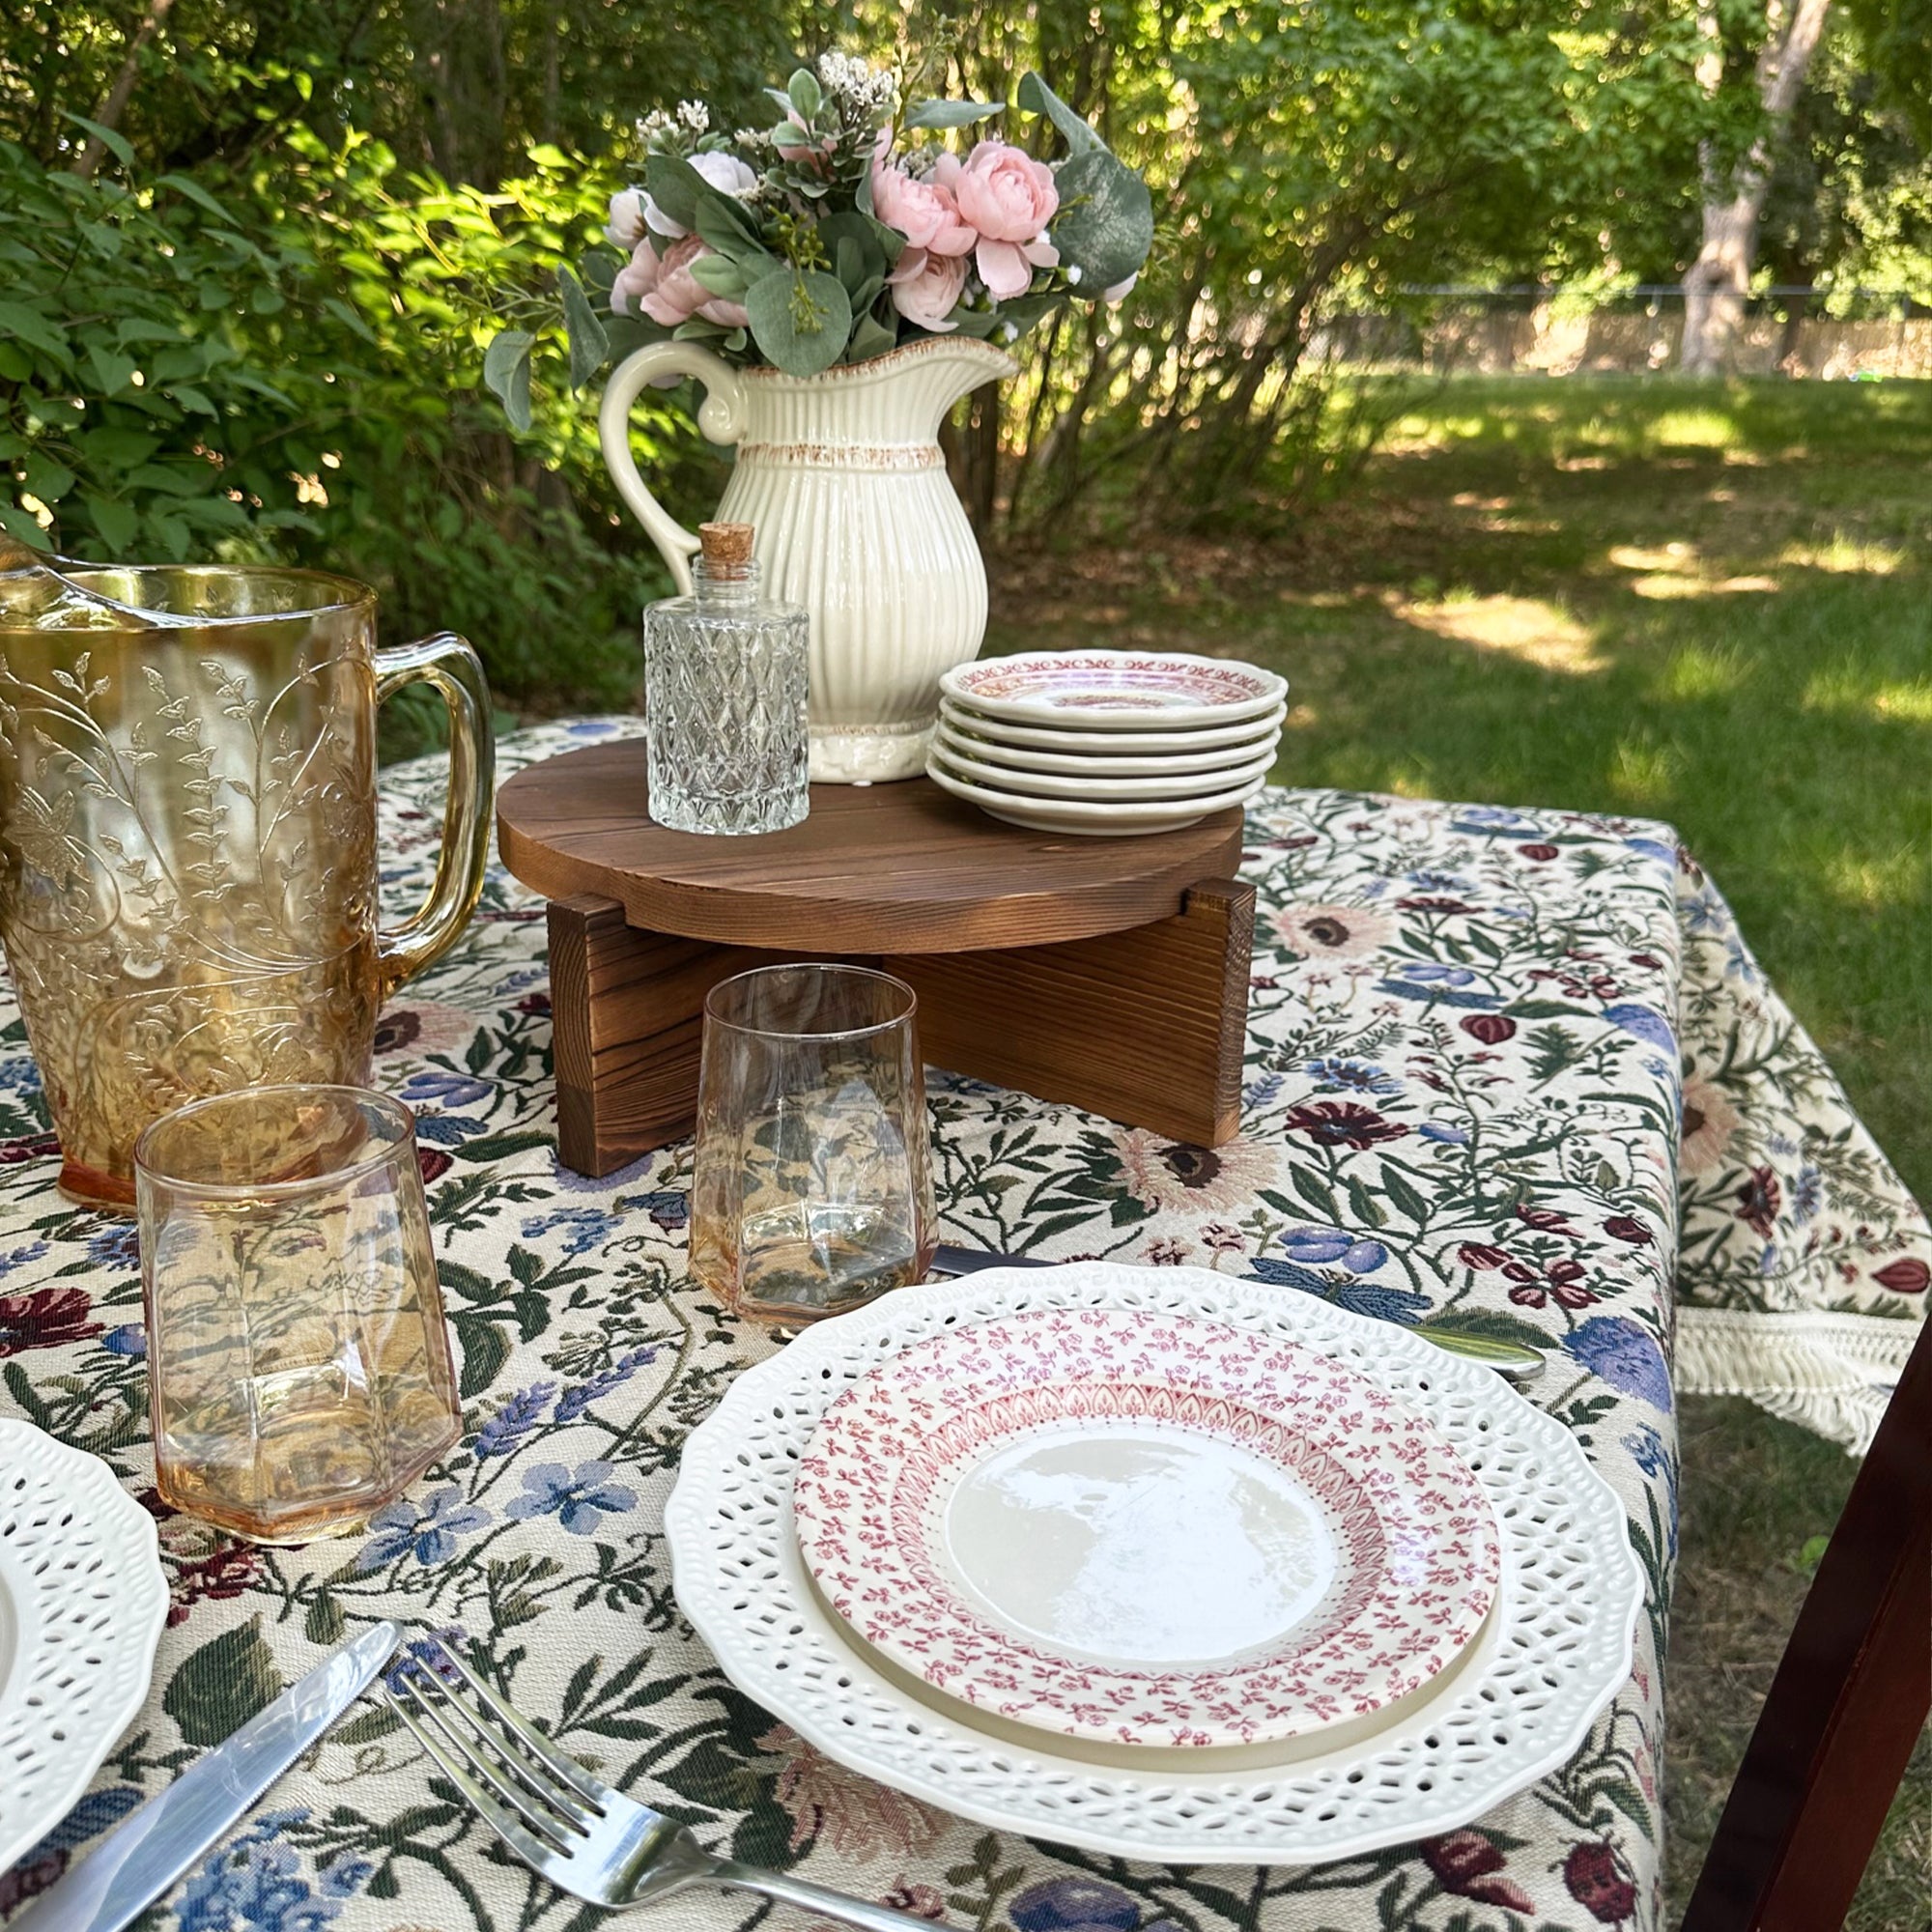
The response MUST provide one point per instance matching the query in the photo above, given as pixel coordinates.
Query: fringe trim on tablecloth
(1831, 1373)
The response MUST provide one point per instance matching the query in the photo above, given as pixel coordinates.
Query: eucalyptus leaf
(871, 337)
(951, 113)
(801, 319)
(1105, 226)
(1037, 97)
(695, 329)
(676, 187)
(506, 374)
(725, 224)
(722, 275)
(588, 342)
(847, 227)
(805, 93)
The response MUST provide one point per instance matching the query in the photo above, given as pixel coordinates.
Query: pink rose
(1009, 198)
(665, 290)
(926, 288)
(923, 212)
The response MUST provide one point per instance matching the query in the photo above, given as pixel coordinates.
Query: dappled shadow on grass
(1741, 646)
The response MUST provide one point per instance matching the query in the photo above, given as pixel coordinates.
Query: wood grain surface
(876, 869)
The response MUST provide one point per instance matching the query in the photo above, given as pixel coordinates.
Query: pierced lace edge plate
(85, 1598)
(869, 1508)
(1560, 1648)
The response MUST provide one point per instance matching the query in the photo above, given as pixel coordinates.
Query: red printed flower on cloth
(46, 1319)
(1560, 1279)
(1492, 1029)
(1590, 1871)
(1623, 1228)
(1908, 1275)
(1467, 1864)
(1759, 1202)
(1336, 1123)
(217, 1578)
(854, 1816)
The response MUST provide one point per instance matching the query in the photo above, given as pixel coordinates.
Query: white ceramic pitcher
(842, 478)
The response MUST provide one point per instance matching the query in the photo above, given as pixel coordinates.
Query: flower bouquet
(849, 228)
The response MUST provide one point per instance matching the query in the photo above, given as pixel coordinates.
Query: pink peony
(664, 289)
(923, 212)
(927, 287)
(1008, 197)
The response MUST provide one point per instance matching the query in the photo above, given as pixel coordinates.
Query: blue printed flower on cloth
(1080, 1905)
(1625, 1356)
(580, 1501)
(130, 1339)
(583, 1228)
(1444, 1133)
(435, 1087)
(118, 1247)
(21, 1257)
(515, 1420)
(1317, 1246)
(574, 1402)
(429, 1530)
(1645, 1023)
(253, 1884)
(1334, 1073)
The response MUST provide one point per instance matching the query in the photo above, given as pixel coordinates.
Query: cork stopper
(728, 547)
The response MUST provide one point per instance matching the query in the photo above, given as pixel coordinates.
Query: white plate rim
(711, 1590)
(1034, 710)
(1019, 758)
(1048, 738)
(1026, 1668)
(1172, 789)
(97, 1507)
(1140, 813)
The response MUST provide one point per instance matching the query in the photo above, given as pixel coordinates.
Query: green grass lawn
(1713, 605)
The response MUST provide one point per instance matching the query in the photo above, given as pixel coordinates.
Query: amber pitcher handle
(447, 662)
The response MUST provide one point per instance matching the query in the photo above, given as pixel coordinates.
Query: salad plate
(962, 742)
(1098, 787)
(1146, 1530)
(1088, 817)
(1125, 691)
(82, 1602)
(1074, 738)
(1517, 1702)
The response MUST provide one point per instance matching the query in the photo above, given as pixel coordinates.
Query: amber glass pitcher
(187, 837)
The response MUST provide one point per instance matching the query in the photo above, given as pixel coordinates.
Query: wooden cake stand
(1108, 972)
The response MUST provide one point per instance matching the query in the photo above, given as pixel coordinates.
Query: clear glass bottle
(724, 693)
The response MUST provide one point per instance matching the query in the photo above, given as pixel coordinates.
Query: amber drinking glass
(187, 837)
(298, 1374)
(812, 1187)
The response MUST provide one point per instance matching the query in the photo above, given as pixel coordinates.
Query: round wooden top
(898, 868)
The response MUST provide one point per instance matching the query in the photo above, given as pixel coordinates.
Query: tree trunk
(111, 109)
(1718, 282)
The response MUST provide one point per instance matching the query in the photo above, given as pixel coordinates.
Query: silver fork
(593, 1842)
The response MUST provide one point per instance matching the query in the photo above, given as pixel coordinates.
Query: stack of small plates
(1106, 743)
(1156, 1563)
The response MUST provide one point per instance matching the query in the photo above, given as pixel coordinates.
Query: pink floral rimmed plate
(1146, 1529)
(1152, 690)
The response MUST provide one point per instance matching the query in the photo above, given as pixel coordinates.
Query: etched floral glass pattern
(299, 1373)
(726, 681)
(187, 838)
(812, 1189)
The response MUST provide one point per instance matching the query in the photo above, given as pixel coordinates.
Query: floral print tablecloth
(1474, 1033)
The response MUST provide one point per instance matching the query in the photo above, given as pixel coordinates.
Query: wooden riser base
(1145, 1026)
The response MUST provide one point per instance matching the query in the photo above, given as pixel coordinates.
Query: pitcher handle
(721, 419)
(447, 662)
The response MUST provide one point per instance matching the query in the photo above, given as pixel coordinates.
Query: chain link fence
(1786, 331)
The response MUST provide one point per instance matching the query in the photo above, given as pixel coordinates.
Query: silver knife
(150, 1848)
(1513, 1361)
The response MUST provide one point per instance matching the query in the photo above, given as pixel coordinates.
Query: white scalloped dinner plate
(1516, 1704)
(1102, 762)
(1125, 691)
(82, 1602)
(1146, 1529)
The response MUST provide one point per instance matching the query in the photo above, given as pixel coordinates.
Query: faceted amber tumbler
(299, 1371)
